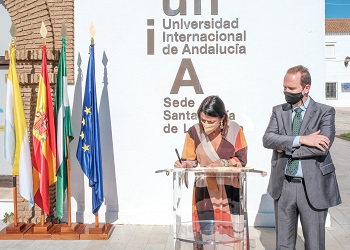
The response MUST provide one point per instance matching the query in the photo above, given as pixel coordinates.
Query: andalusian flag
(17, 150)
(63, 130)
(89, 148)
(44, 141)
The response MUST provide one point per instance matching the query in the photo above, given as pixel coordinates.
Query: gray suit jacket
(318, 169)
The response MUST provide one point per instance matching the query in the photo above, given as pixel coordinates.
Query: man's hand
(315, 140)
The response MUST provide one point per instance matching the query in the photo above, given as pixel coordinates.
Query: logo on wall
(185, 35)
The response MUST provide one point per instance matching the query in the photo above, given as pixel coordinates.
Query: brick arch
(27, 16)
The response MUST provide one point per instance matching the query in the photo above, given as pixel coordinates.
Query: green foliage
(7, 216)
(345, 135)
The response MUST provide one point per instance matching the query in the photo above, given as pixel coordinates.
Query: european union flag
(89, 147)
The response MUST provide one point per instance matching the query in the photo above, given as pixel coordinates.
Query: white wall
(5, 168)
(132, 87)
(335, 69)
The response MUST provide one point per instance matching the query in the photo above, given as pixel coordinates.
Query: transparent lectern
(210, 207)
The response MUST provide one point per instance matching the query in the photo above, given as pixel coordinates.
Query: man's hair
(305, 74)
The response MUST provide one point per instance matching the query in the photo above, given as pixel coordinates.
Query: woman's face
(206, 119)
(210, 124)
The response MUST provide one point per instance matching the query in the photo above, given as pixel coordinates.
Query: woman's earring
(221, 125)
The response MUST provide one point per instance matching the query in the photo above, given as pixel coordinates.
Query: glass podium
(210, 207)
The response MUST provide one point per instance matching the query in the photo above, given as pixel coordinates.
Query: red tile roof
(337, 25)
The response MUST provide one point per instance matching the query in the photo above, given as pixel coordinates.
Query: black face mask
(293, 98)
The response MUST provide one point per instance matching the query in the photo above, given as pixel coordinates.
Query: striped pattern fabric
(44, 141)
(17, 149)
(212, 200)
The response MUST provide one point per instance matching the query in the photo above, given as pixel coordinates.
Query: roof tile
(337, 25)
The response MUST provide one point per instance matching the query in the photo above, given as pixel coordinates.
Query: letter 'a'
(186, 64)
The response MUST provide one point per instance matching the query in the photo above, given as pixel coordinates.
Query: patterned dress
(212, 200)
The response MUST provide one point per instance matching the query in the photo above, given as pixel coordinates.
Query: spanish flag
(17, 150)
(44, 141)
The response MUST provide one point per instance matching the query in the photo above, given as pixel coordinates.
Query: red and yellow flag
(44, 141)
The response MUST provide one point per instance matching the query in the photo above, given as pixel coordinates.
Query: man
(303, 180)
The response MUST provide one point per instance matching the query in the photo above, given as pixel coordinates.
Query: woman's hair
(213, 106)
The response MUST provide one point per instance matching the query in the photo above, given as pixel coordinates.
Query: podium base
(15, 233)
(40, 232)
(102, 232)
(64, 232)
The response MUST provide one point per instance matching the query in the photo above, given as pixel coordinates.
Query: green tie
(292, 165)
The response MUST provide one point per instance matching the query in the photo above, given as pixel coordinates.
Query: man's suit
(318, 169)
(319, 183)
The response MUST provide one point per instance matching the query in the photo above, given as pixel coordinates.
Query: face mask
(293, 98)
(209, 128)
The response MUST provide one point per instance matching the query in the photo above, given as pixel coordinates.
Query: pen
(178, 156)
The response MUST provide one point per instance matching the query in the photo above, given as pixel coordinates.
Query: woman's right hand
(184, 164)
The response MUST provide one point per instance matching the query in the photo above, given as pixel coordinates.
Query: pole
(15, 215)
(96, 220)
(68, 185)
(42, 218)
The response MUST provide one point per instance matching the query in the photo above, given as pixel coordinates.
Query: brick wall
(27, 16)
(6, 181)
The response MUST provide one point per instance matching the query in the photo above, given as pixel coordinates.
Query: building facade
(337, 58)
(155, 63)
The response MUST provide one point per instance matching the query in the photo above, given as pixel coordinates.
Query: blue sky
(337, 8)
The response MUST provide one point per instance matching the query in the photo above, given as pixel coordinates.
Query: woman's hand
(184, 164)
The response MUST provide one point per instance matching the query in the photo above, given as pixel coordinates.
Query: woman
(214, 142)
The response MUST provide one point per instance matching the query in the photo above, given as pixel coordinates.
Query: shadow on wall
(265, 224)
(265, 216)
(77, 175)
(108, 164)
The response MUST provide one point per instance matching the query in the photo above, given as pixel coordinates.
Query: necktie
(292, 165)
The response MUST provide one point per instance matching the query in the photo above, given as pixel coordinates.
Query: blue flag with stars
(89, 147)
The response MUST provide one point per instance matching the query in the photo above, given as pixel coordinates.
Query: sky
(337, 8)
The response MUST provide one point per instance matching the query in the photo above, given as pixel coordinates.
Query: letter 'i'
(150, 37)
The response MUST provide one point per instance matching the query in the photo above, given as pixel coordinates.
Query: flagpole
(68, 185)
(64, 136)
(92, 34)
(15, 127)
(15, 215)
(42, 166)
(90, 137)
(14, 181)
(42, 217)
(96, 220)
(14, 177)
(43, 32)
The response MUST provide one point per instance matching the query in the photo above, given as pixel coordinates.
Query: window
(331, 90)
(330, 51)
(4, 64)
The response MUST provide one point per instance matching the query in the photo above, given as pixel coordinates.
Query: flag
(44, 141)
(89, 147)
(63, 130)
(17, 150)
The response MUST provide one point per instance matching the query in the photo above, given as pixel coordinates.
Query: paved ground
(342, 120)
(149, 237)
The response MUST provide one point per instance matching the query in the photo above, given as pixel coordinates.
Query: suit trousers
(293, 203)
